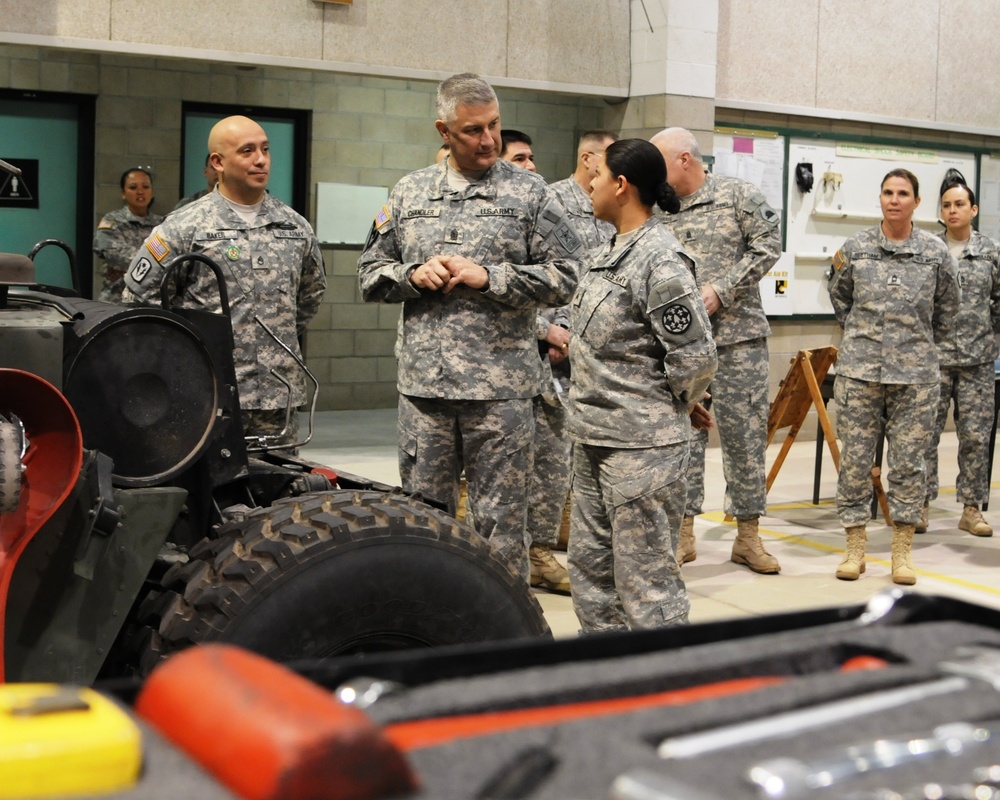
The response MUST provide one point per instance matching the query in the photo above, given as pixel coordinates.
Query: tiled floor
(806, 538)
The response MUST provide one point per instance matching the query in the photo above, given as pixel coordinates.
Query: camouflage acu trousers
(271, 425)
(627, 507)
(492, 441)
(551, 473)
(908, 411)
(740, 408)
(971, 391)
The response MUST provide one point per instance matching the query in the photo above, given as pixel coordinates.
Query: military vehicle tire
(10, 467)
(337, 573)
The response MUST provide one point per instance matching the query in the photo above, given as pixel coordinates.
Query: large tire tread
(253, 561)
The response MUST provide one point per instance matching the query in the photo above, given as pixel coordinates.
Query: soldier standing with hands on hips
(734, 238)
(272, 265)
(471, 247)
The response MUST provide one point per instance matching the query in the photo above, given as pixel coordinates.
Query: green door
(45, 203)
(280, 132)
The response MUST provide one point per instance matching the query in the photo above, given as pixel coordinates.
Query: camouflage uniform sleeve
(541, 327)
(680, 322)
(383, 278)
(551, 275)
(144, 273)
(760, 226)
(993, 251)
(102, 236)
(947, 298)
(312, 286)
(561, 317)
(841, 284)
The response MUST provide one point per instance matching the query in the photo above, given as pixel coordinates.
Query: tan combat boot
(973, 522)
(854, 559)
(685, 543)
(749, 549)
(921, 527)
(546, 571)
(902, 567)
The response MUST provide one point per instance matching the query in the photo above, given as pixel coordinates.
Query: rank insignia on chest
(233, 253)
(894, 280)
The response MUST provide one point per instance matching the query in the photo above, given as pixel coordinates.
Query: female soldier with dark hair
(967, 371)
(121, 232)
(643, 355)
(894, 290)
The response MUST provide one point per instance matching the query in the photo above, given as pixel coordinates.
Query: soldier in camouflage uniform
(642, 355)
(574, 192)
(967, 360)
(273, 267)
(121, 232)
(472, 247)
(733, 235)
(894, 289)
(549, 484)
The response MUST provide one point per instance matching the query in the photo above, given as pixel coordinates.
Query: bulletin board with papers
(843, 200)
(758, 157)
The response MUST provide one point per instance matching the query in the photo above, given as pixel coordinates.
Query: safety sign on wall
(19, 191)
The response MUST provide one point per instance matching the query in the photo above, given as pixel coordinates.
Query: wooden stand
(798, 392)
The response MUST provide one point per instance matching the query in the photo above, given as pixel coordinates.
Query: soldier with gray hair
(471, 247)
(273, 268)
(733, 235)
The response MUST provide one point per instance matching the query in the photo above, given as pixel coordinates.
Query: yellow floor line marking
(719, 517)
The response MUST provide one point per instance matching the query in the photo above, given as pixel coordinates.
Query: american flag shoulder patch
(382, 218)
(157, 247)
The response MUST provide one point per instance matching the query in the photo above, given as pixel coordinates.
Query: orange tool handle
(421, 733)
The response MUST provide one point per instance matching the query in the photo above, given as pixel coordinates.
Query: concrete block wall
(365, 130)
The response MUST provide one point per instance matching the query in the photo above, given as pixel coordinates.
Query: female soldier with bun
(643, 355)
(967, 356)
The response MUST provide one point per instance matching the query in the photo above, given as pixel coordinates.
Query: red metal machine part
(51, 467)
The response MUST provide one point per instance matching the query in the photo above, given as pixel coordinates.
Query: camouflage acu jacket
(274, 275)
(734, 237)
(471, 344)
(894, 302)
(119, 234)
(643, 349)
(593, 232)
(971, 341)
